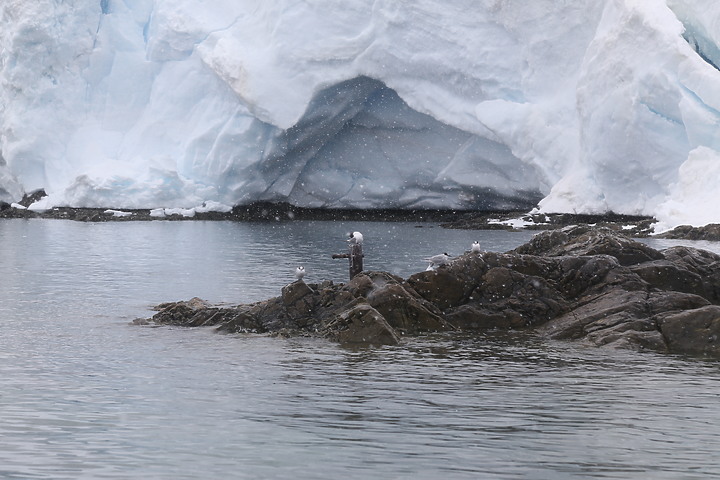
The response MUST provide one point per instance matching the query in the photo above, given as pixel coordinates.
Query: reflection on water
(218, 261)
(85, 395)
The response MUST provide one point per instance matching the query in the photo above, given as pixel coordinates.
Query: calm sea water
(85, 395)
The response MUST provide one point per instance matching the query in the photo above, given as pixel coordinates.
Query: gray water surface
(85, 395)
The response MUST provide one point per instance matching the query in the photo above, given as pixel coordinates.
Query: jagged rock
(660, 303)
(585, 240)
(398, 303)
(299, 299)
(693, 331)
(194, 303)
(523, 300)
(451, 285)
(186, 313)
(242, 321)
(32, 197)
(591, 285)
(709, 232)
(607, 310)
(294, 292)
(361, 285)
(621, 317)
(362, 324)
(666, 275)
(405, 312)
(441, 287)
(703, 263)
(474, 317)
(577, 276)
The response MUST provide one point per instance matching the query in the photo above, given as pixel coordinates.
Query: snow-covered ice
(117, 213)
(518, 223)
(584, 107)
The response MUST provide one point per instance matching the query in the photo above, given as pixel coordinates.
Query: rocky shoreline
(268, 211)
(593, 285)
(631, 225)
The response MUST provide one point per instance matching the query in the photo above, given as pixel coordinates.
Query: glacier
(584, 106)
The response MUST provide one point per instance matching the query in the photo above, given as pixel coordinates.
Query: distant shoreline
(630, 225)
(263, 212)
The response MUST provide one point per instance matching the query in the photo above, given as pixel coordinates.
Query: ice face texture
(580, 106)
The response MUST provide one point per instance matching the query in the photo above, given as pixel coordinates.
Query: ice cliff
(582, 106)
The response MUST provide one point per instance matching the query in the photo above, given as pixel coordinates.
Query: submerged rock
(588, 284)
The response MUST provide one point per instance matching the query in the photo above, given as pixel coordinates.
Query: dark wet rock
(475, 317)
(709, 232)
(693, 331)
(703, 263)
(182, 313)
(442, 287)
(301, 309)
(407, 313)
(592, 285)
(299, 299)
(398, 303)
(603, 310)
(361, 324)
(585, 240)
(240, 320)
(666, 275)
(32, 197)
(523, 300)
(361, 285)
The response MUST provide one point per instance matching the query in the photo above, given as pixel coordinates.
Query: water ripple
(83, 395)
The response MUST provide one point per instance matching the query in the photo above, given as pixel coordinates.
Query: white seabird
(438, 260)
(300, 272)
(356, 237)
(476, 247)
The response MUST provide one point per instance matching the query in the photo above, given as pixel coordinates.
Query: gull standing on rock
(476, 247)
(300, 272)
(438, 261)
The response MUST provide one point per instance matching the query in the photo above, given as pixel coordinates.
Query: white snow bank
(117, 213)
(166, 212)
(695, 197)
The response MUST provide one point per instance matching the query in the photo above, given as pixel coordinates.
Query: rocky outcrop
(374, 308)
(258, 211)
(585, 240)
(710, 232)
(632, 225)
(579, 283)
